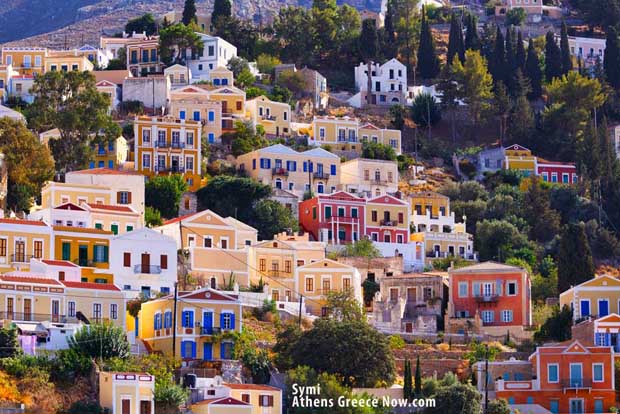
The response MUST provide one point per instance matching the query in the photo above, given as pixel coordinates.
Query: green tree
(70, 102)
(522, 123)
(247, 138)
(259, 364)
(428, 62)
(378, 151)
(342, 306)
(475, 84)
(293, 81)
(502, 105)
(515, 16)
(544, 222)
(533, 72)
(553, 58)
(557, 327)
(369, 289)
(496, 239)
(176, 40)
(100, 340)
(368, 45)
(152, 217)
(352, 350)
(266, 63)
(163, 193)
(449, 90)
(457, 398)
(407, 381)
(245, 79)
(29, 164)
(169, 396)
(498, 406)
(425, 111)
(271, 218)
(472, 40)
(567, 61)
(361, 248)
(237, 65)
(574, 268)
(418, 377)
(189, 12)
(9, 345)
(611, 61)
(397, 116)
(456, 47)
(520, 52)
(497, 61)
(294, 34)
(145, 23)
(221, 8)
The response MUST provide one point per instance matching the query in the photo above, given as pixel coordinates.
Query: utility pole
(486, 379)
(301, 298)
(310, 177)
(174, 322)
(428, 117)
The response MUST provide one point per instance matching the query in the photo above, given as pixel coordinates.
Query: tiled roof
(82, 230)
(88, 285)
(105, 171)
(252, 387)
(64, 263)
(222, 401)
(27, 279)
(109, 207)
(69, 206)
(177, 219)
(25, 222)
(319, 152)
(486, 266)
(207, 294)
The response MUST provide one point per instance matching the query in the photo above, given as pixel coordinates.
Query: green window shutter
(99, 226)
(105, 253)
(129, 228)
(66, 251)
(114, 228)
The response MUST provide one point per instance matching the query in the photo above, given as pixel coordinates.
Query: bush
(397, 342)
(515, 17)
(425, 110)
(90, 407)
(102, 341)
(132, 107)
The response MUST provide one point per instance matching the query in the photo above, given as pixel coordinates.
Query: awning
(31, 328)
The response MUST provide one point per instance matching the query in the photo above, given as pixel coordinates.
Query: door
(83, 255)
(585, 308)
(145, 407)
(576, 406)
(576, 379)
(207, 353)
(20, 251)
(55, 310)
(66, 251)
(27, 309)
(126, 407)
(174, 163)
(603, 307)
(224, 107)
(411, 294)
(207, 323)
(10, 308)
(386, 217)
(145, 263)
(408, 327)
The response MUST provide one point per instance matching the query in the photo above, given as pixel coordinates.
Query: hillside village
(415, 210)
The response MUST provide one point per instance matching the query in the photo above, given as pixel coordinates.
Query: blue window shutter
(224, 81)
(182, 349)
(222, 350)
(196, 115)
(333, 169)
(106, 251)
(183, 316)
(110, 164)
(191, 319)
(268, 163)
(193, 349)
(294, 165)
(232, 321)
(91, 164)
(208, 322)
(311, 166)
(207, 351)
(221, 320)
(216, 81)
(182, 115)
(155, 323)
(305, 166)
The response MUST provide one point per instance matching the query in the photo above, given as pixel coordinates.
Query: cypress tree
(575, 263)
(611, 61)
(428, 63)
(368, 49)
(407, 384)
(533, 72)
(456, 46)
(553, 58)
(567, 62)
(221, 8)
(418, 377)
(497, 65)
(472, 40)
(520, 53)
(189, 12)
(388, 24)
(511, 59)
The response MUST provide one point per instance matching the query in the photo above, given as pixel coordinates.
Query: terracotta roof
(82, 230)
(87, 285)
(65, 263)
(105, 171)
(20, 221)
(114, 76)
(27, 279)
(544, 161)
(208, 294)
(177, 219)
(252, 387)
(69, 206)
(109, 207)
(222, 401)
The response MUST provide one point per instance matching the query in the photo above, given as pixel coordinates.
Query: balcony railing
(210, 330)
(37, 317)
(277, 273)
(279, 171)
(147, 269)
(389, 223)
(486, 298)
(161, 168)
(321, 175)
(268, 117)
(21, 258)
(177, 145)
(161, 144)
(342, 219)
(576, 383)
(378, 181)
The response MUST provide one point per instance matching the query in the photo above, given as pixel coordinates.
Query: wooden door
(146, 262)
(411, 294)
(145, 407)
(126, 407)
(27, 309)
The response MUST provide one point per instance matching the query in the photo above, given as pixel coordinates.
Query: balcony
(37, 317)
(279, 171)
(486, 298)
(21, 258)
(321, 175)
(177, 145)
(576, 384)
(269, 118)
(389, 223)
(210, 330)
(162, 168)
(375, 181)
(147, 269)
(342, 220)
(161, 144)
(277, 273)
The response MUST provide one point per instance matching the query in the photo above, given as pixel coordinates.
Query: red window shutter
(270, 401)
(400, 218)
(127, 259)
(245, 398)
(118, 197)
(164, 261)
(128, 197)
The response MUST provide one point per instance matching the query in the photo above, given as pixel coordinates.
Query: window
(227, 321)
(346, 283)
(287, 266)
(38, 249)
(309, 284)
(163, 261)
(113, 311)
(167, 319)
(265, 401)
(553, 373)
(207, 242)
(187, 319)
(126, 259)
(71, 309)
(189, 164)
(488, 316)
(97, 311)
(224, 243)
(462, 289)
(100, 254)
(554, 406)
(511, 288)
(74, 67)
(245, 398)
(506, 316)
(123, 197)
(326, 285)
(262, 265)
(373, 215)
(189, 138)
(597, 372)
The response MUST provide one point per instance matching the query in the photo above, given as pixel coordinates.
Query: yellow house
(264, 399)
(61, 60)
(21, 240)
(127, 392)
(221, 76)
(167, 145)
(112, 155)
(84, 247)
(143, 55)
(274, 116)
(278, 260)
(282, 167)
(25, 60)
(373, 177)
(430, 211)
(348, 133)
(593, 298)
(315, 280)
(520, 159)
(205, 319)
(217, 246)
(232, 101)
(192, 102)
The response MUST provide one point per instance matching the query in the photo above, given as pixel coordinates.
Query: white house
(144, 261)
(98, 57)
(216, 52)
(388, 83)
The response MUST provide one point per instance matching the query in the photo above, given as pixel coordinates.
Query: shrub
(102, 341)
(397, 342)
(132, 107)
(91, 407)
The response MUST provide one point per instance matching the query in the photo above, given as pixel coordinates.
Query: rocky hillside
(72, 23)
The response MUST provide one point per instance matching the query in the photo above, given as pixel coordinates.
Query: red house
(500, 294)
(337, 218)
(556, 172)
(570, 378)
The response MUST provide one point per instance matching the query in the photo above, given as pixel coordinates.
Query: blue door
(598, 406)
(207, 351)
(603, 307)
(207, 322)
(554, 406)
(576, 377)
(585, 308)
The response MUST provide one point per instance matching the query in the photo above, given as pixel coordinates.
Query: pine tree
(407, 381)
(533, 72)
(455, 41)
(189, 12)
(388, 28)
(502, 106)
(472, 40)
(521, 125)
(511, 59)
(428, 63)
(611, 62)
(567, 61)
(221, 8)
(368, 48)
(575, 263)
(497, 64)
(553, 58)
(520, 53)
(418, 377)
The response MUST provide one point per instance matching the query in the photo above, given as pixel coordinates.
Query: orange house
(570, 378)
